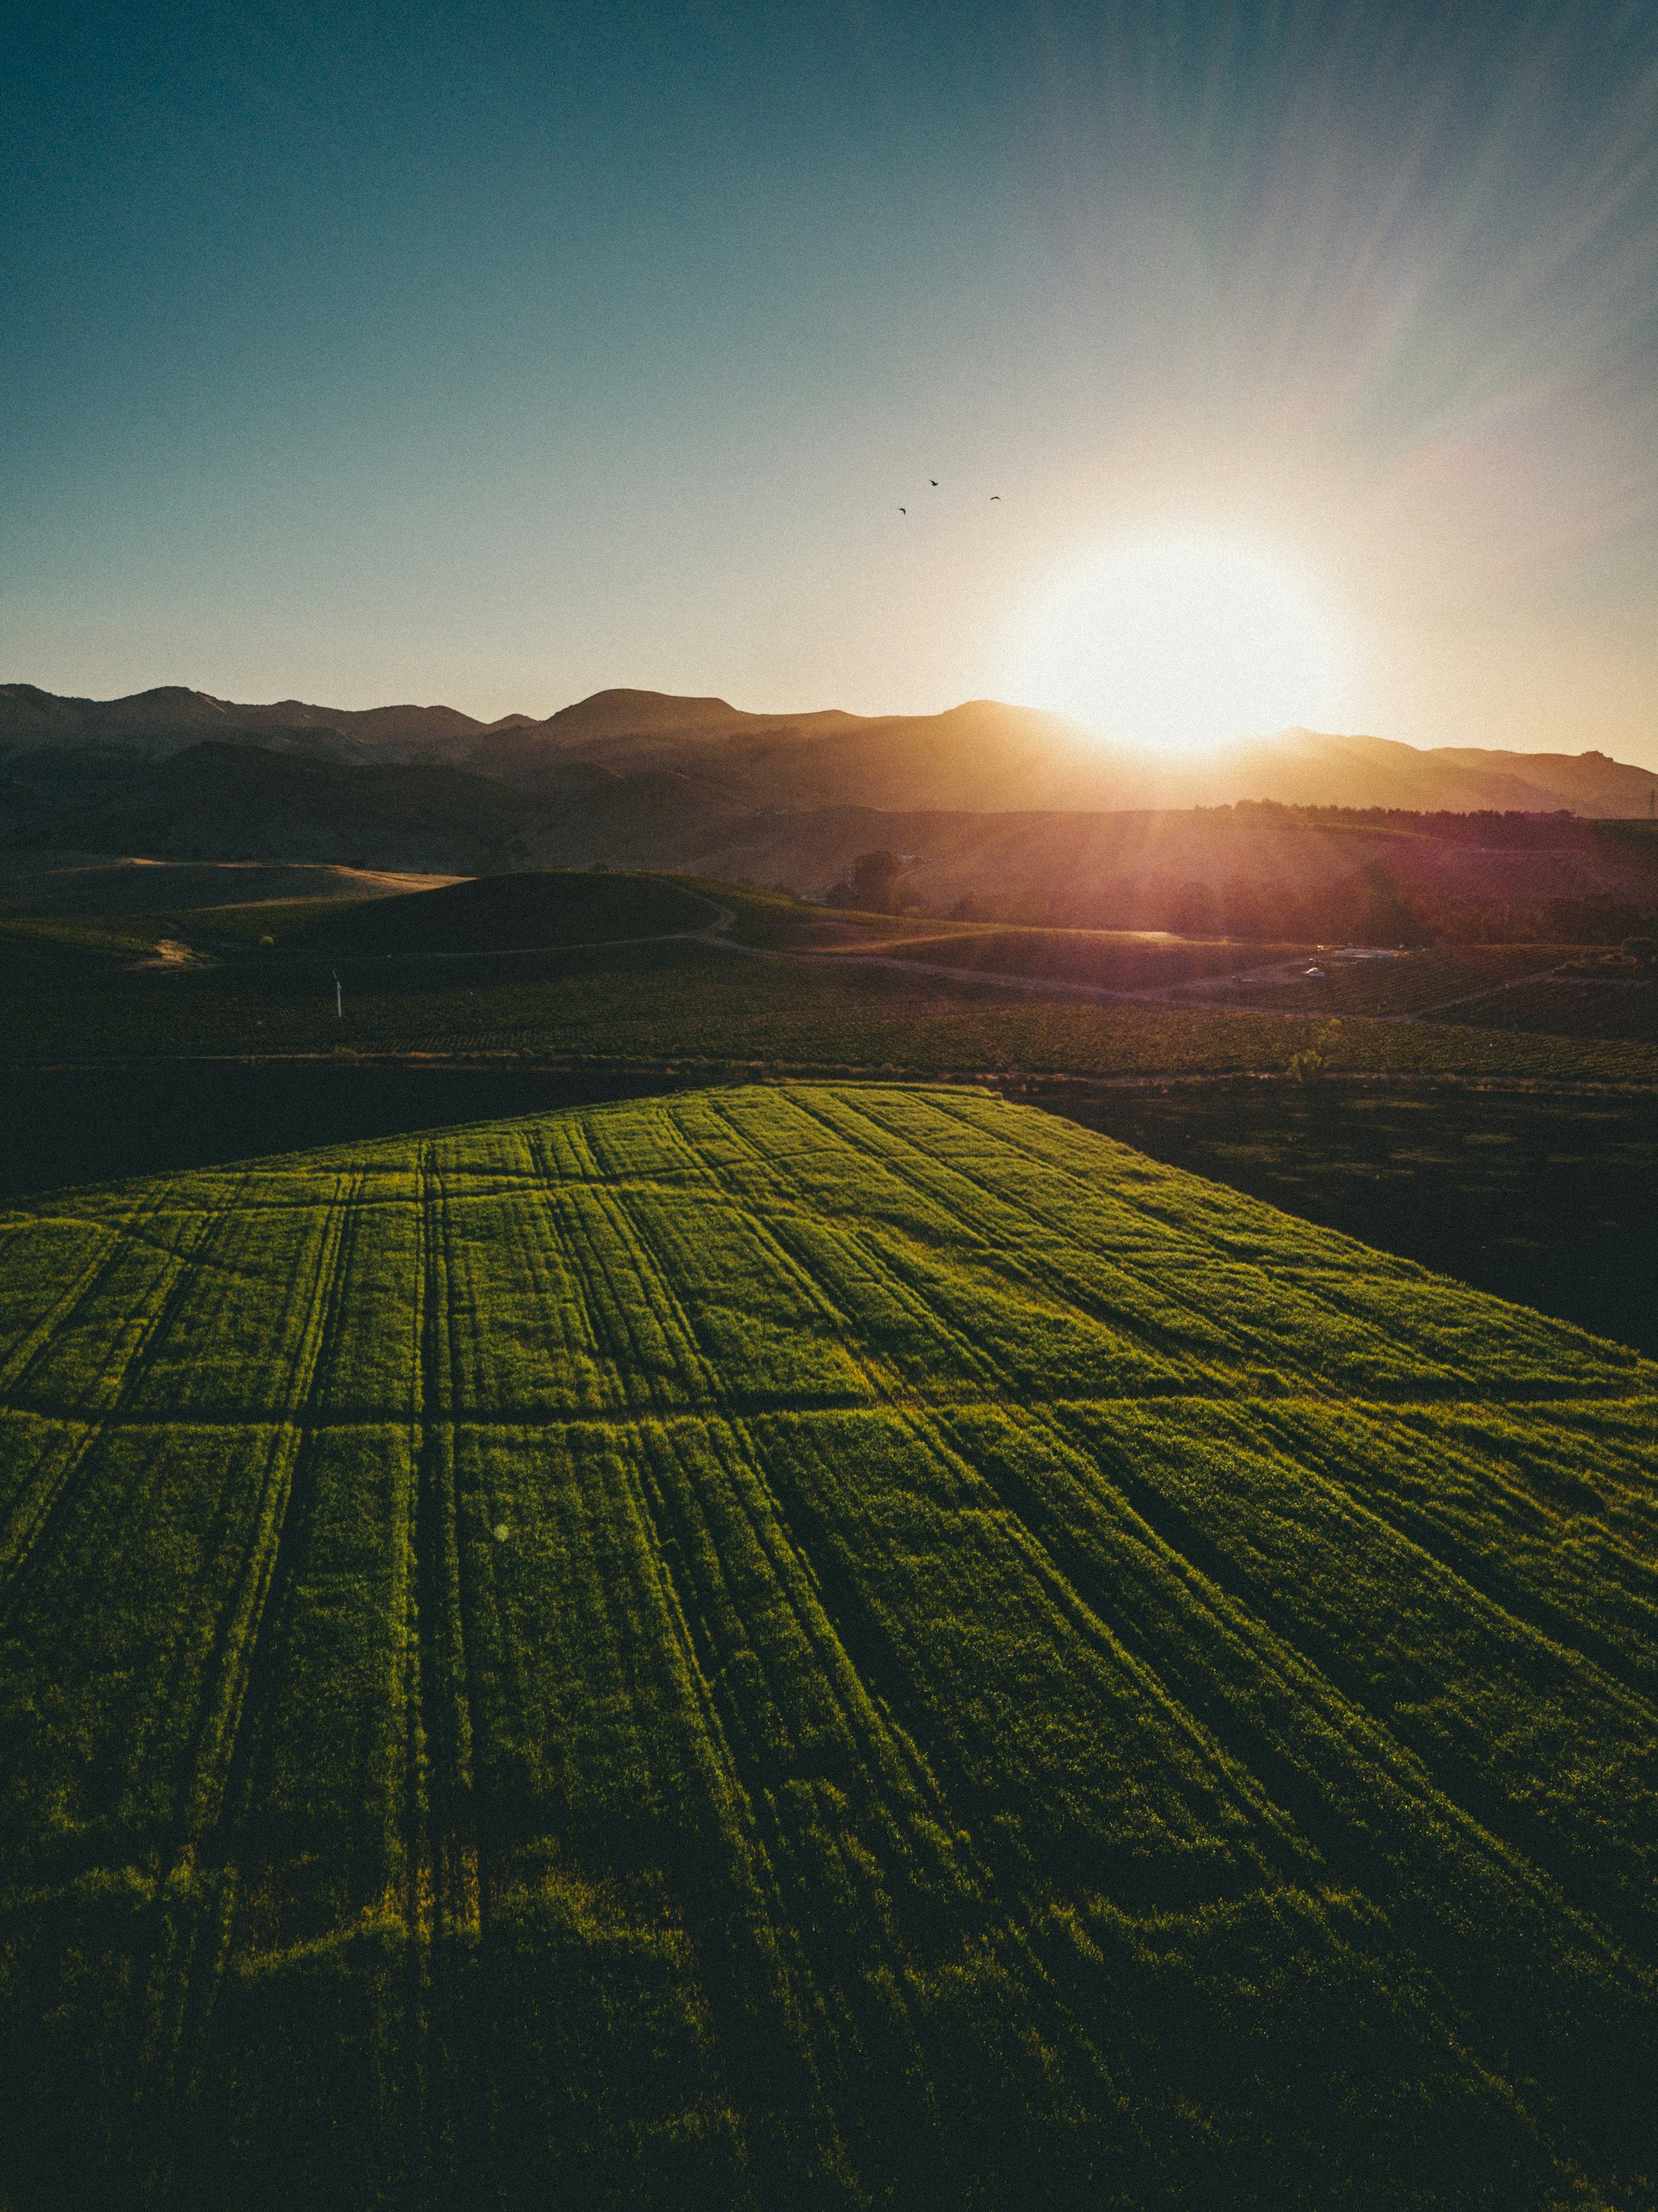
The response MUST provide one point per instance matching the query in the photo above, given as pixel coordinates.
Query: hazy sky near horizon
(493, 353)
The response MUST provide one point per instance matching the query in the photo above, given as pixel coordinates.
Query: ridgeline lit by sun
(1177, 646)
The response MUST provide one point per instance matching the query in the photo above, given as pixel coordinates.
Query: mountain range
(982, 756)
(1019, 811)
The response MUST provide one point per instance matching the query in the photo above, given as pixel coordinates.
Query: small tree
(875, 882)
(1309, 1067)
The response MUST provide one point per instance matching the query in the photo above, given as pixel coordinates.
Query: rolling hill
(1019, 813)
(531, 910)
(69, 883)
(811, 1649)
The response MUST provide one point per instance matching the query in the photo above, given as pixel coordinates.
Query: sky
(493, 353)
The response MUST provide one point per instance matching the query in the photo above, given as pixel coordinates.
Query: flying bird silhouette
(903, 510)
(995, 497)
(933, 480)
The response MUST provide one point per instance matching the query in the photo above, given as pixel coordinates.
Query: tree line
(1369, 907)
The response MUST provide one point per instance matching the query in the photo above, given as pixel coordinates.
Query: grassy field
(1409, 982)
(280, 957)
(689, 1001)
(811, 1648)
(535, 908)
(1547, 1200)
(1574, 1007)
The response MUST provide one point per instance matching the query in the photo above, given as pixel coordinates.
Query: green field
(557, 961)
(812, 1648)
(1574, 1007)
(1409, 982)
(534, 907)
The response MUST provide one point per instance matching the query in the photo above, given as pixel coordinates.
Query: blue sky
(493, 353)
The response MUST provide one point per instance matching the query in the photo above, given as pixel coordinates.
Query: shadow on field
(66, 1125)
(1551, 1202)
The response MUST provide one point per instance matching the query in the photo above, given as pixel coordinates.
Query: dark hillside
(1254, 872)
(171, 716)
(232, 802)
(639, 817)
(1245, 871)
(502, 913)
(815, 1649)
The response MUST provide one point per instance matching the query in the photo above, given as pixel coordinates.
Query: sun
(1179, 645)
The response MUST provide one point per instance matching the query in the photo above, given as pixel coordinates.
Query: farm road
(1200, 992)
(180, 956)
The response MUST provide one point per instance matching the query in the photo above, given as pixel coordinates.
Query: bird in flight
(903, 510)
(995, 497)
(933, 480)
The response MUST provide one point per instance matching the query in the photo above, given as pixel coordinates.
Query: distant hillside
(171, 717)
(215, 801)
(986, 757)
(982, 756)
(1252, 871)
(1244, 870)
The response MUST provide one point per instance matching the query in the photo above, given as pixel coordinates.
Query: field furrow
(815, 1650)
(1493, 1349)
(1543, 1746)
(1533, 1549)
(1357, 1793)
(1264, 1330)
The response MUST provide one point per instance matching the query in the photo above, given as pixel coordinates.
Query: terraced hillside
(810, 1649)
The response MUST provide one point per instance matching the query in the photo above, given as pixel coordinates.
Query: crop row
(790, 1248)
(788, 1648)
(1569, 1007)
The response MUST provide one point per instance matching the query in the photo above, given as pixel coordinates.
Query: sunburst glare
(1178, 645)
